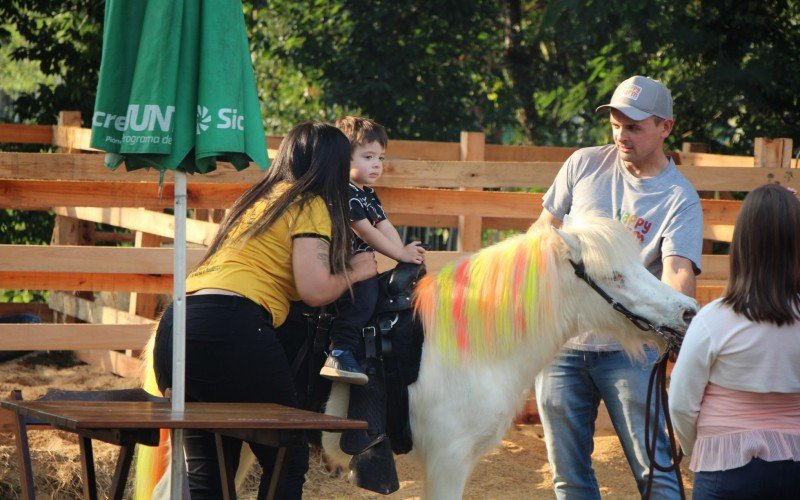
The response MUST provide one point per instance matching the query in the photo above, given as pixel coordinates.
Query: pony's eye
(618, 278)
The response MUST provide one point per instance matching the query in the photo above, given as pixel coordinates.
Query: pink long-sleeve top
(735, 391)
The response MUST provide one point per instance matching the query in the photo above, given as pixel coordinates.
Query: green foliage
(23, 296)
(65, 39)
(732, 71)
(16, 77)
(416, 67)
(523, 71)
(25, 228)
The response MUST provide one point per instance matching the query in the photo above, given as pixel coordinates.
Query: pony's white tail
(151, 462)
(338, 403)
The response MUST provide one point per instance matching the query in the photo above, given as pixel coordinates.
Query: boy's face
(366, 163)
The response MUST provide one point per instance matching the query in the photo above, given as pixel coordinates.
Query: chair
(126, 439)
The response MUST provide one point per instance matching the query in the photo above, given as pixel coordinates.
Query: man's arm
(679, 274)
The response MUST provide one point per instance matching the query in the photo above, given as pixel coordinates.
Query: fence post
(694, 147)
(145, 304)
(470, 228)
(67, 119)
(68, 230)
(773, 152)
(701, 147)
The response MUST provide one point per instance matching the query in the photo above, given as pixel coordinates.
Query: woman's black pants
(232, 355)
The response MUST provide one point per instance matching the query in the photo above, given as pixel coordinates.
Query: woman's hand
(363, 266)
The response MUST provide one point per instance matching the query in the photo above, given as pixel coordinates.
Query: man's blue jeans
(568, 394)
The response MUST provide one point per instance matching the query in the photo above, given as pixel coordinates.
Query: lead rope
(658, 378)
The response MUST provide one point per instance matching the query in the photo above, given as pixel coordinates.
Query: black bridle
(658, 377)
(670, 336)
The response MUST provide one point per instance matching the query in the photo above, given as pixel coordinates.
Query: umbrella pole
(178, 463)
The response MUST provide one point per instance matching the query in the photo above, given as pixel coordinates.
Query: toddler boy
(373, 232)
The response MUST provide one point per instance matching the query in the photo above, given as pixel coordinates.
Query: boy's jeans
(352, 315)
(568, 393)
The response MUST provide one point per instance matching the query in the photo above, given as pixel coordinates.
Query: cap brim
(629, 111)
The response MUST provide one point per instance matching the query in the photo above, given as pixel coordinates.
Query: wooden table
(125, 422)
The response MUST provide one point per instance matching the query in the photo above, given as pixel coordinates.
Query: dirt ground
(518, 469)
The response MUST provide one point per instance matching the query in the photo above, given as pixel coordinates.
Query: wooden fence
(428, 184)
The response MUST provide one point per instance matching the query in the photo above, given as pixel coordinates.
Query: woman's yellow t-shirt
(261, 267)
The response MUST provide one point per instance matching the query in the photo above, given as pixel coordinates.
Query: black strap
(317, 325)
(658, 378)
(321, 328)
(303, 351)
(672, 337)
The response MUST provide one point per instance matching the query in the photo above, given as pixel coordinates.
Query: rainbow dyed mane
(485, 304)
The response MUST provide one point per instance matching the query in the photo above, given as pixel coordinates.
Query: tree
(724, 62)
(523, 71)
(65, 39)
(731, 65)
(423, 69)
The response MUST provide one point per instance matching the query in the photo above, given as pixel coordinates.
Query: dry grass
(518, 469)
(56, 466)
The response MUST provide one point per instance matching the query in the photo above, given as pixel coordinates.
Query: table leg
(24, 458)
(87, 465)
(278, 472)
(121, 471)
(226, 476)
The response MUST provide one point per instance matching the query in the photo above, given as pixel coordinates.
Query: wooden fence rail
(429, 184)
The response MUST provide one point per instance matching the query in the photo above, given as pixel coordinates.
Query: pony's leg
(447, 439)
(446, 473)
(246, 462)
(337, 405)
(459, 414)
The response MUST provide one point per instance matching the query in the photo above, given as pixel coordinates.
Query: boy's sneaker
(342, 366)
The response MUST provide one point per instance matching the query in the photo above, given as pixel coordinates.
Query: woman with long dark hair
(285, 239)
(735, 388)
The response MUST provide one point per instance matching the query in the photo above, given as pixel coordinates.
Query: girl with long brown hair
(735, 388)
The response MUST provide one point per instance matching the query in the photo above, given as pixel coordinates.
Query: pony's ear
(572, 243)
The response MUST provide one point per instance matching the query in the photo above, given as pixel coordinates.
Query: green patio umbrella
(176, 87)
(177, 92)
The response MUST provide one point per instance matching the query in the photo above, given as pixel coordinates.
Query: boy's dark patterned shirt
(364, 204)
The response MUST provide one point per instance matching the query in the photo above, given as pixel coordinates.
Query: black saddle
(391, 355)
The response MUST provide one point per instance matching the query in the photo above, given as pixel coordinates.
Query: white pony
(494, 320)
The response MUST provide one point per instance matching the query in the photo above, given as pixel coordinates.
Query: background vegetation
(525, 72)
(522, 71)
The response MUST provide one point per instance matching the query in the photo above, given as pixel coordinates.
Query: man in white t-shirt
(635, 182)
